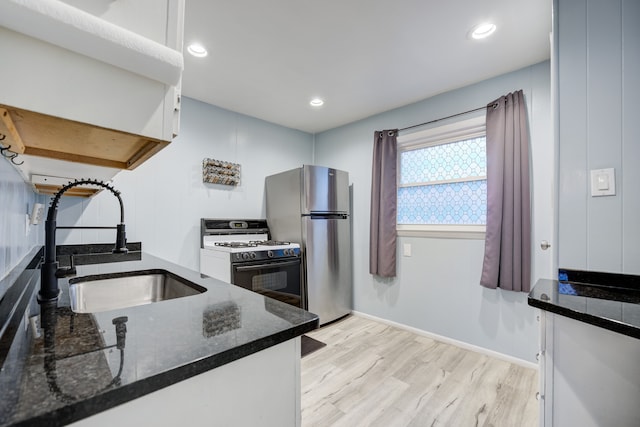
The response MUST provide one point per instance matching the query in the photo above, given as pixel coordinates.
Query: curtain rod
(443, 118)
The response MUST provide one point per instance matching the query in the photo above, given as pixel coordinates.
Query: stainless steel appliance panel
(324, 190)
(283, 195)
(328, 265)
(310, 206)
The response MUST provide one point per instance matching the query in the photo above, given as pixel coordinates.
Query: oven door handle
(269, 265)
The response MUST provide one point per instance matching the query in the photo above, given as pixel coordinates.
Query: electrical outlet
(27, 224)
(36, 213)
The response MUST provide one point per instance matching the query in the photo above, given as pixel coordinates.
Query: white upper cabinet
(90, 81)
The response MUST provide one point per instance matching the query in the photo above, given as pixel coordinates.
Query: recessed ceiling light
(197, 50)
(316, 102)
(483, 30)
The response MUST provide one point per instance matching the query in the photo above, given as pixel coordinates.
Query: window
(442, 184)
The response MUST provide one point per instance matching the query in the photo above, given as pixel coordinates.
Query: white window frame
(443, 134)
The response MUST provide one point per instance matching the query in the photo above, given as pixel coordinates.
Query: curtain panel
(507, 253)
(384, 194)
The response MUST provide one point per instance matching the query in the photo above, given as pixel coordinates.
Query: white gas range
(240, 252)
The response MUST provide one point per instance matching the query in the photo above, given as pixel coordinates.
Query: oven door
(278, 279)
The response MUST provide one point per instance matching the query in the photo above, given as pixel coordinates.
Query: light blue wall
(599, 84)
(165, 197)
(437, 288)
(16, 200)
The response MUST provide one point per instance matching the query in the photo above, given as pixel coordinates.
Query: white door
(543, 162)
(545, 231)
(544, 238)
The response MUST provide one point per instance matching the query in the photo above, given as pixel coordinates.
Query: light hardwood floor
(372, 374)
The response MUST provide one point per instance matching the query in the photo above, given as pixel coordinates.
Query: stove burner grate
(270, 243)
(237, 244)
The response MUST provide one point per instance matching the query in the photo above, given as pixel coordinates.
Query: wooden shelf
(76, 192)
(42, 135)
(51, 185)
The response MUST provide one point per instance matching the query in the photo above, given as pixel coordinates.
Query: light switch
(603, 182)
(406, 249)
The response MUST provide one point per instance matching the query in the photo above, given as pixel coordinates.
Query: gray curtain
(507, 249)
(382, 246)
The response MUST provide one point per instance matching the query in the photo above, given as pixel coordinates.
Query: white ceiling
(268, 58)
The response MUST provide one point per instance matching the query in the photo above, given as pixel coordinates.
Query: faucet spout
(49, 290)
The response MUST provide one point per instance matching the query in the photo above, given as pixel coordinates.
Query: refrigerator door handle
(328, 216)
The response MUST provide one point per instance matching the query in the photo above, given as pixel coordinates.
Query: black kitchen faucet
(48, 279)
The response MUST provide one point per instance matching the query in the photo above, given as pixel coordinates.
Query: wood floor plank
(323, 414)
(477, 395)
(425, 382)
(506, 409)
(373, 374)
(370, 407)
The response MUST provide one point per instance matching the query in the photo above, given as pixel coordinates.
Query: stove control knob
(270, 254)
(252, 255)
(245, 255)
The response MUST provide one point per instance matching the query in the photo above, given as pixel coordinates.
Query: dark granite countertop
(58, 366)
(607, 300)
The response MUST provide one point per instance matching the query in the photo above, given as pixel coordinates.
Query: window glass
(456, 160)
(456, 203)
(443, 184)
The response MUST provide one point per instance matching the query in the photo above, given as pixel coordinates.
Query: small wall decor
(220, 172)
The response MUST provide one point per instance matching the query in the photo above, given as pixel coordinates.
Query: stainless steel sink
(92, 294)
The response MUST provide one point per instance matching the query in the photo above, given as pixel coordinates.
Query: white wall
(437, 288)
(599, 82)
(16, 200)
(165, 197)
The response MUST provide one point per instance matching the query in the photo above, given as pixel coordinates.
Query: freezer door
(328, 266)
(324, 190)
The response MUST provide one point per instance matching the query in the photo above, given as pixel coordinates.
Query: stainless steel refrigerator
(310, 206)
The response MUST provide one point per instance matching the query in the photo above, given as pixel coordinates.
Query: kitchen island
(226, 356)
(589, 349)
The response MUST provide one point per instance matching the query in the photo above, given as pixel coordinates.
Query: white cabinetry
(109, 70)
(262, 389)
(590, 376)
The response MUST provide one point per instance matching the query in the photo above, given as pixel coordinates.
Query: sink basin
(92, 294)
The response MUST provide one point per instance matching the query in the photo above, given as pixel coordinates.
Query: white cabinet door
(262, 389)
(592, 376)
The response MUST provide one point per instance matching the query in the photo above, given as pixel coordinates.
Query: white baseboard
(447, 340)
